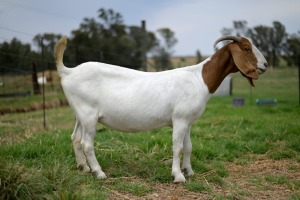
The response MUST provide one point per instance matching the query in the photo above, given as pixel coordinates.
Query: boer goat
(131, 101)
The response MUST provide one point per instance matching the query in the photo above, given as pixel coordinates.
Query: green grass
(198, 186)
(39, 163)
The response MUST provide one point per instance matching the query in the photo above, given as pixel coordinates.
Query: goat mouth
(260, 70)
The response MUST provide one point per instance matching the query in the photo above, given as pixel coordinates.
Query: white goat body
(131, 101)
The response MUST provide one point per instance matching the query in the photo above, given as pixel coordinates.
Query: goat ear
(242, 63)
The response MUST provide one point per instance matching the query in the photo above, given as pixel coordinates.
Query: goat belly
(133, 121)
(135, 108)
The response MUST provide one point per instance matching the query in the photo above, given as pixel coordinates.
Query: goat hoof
(179, 178)
(84, 168)
(188, 172)
(99, 175)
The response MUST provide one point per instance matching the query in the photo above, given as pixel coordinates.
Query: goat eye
(247, 49)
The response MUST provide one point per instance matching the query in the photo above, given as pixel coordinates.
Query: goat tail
(59, 49)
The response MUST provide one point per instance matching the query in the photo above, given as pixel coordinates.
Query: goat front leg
(180, 130)
(88, 148)
(187, 150)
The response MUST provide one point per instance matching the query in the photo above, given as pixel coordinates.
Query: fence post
(299, 77)
(3, 82)
(35, 84)
(144, 44)
(43, 69)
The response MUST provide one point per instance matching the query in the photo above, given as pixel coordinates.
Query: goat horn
(227, 37)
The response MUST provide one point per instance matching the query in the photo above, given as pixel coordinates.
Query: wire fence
(25, 91)
(16, 83)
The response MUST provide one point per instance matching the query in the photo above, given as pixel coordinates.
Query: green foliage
(293, 49)
(16, 55)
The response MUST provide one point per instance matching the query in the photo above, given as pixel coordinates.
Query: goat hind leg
(76, 140)
(187, 150)
(88, 148)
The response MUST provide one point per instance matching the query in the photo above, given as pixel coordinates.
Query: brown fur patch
(215, 70)
(223, 63)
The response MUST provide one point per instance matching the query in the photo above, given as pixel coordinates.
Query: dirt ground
(247, 181)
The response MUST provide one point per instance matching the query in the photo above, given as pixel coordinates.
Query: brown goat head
(244, 59)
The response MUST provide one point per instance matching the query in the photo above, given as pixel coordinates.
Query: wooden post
(299, 76)
(144, 56)
(43, 69)
(3, 82)
(35, 84)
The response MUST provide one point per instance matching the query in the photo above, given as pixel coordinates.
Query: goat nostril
(266, 64)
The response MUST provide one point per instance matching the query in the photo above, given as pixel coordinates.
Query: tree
(293, 49)
(198, 56)
(107, 39)
(111, 20)
(278, 42)
(163, 52)
(226, 31)
(86, 41)
(239, 29)
(16, 55)
(260, 37)
(271, 41)
(49, 41)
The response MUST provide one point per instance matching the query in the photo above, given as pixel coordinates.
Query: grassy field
(246, 152)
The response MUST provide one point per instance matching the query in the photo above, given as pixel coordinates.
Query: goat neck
(217, 68)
